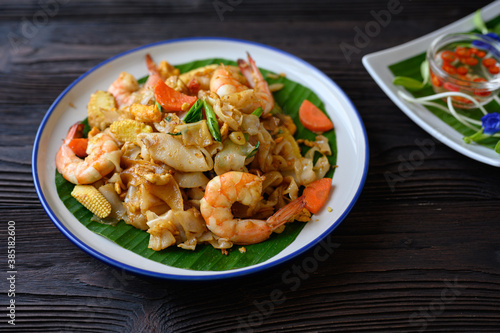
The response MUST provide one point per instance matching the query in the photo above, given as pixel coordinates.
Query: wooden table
(422, 255)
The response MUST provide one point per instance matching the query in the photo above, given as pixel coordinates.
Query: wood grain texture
(420, 255)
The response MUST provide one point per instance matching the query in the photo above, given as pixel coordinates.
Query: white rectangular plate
(377, 64)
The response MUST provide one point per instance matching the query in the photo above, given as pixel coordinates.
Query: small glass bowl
(466, 63)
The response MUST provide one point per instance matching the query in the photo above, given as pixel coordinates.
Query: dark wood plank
(420, 254)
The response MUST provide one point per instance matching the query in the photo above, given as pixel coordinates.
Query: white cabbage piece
(232, 157)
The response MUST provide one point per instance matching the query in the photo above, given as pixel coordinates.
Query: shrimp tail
(250, 71)
(154, 73)
(150, 64)
(257, 82)
(75, 131)
(287, 213)
(246, 71)
(255, 69)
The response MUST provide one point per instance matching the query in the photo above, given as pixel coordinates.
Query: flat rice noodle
(170, 193)
(161, 232)
(292, 189)
(322, 165)
(272, 178)
(225, 112)
(303, 172)
(118, 211)
(195, 134)
(250, 124)
(323, 145)
(189, 225)
(168, 149)
(191, 179)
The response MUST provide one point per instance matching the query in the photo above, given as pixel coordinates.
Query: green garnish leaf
(254, 151)
(476, 137)
(143, 79)
(87, 128)
(496, 29)
(213, 125)
(424, 70)
(497, 148)
(195, 113)
(175, 134)
(158, 106)
(408, 83)
(479, 23)
(258, 112)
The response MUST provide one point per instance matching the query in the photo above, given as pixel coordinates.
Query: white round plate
(70, 106)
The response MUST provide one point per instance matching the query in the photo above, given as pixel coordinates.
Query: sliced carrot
(172, 100)
(313, 118)
(79, 146)
(316, 194)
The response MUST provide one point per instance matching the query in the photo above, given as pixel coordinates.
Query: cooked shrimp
(123, 89)
(230, 86)
(223, 191)
(154, 73)
(257, 82)
(126, 89)
(226, 81)
(103, 157)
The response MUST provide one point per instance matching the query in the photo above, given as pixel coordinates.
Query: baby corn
(92, 199)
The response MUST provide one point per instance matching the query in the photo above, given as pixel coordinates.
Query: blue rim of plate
(224, 274)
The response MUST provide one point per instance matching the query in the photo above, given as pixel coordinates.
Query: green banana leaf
(205, 257)
(411, 68)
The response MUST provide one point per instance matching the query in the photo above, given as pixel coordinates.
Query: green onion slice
(158, 106)
(254, 151)
(194, 114)
(143, 79)
(213, 125)
(258, 112)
